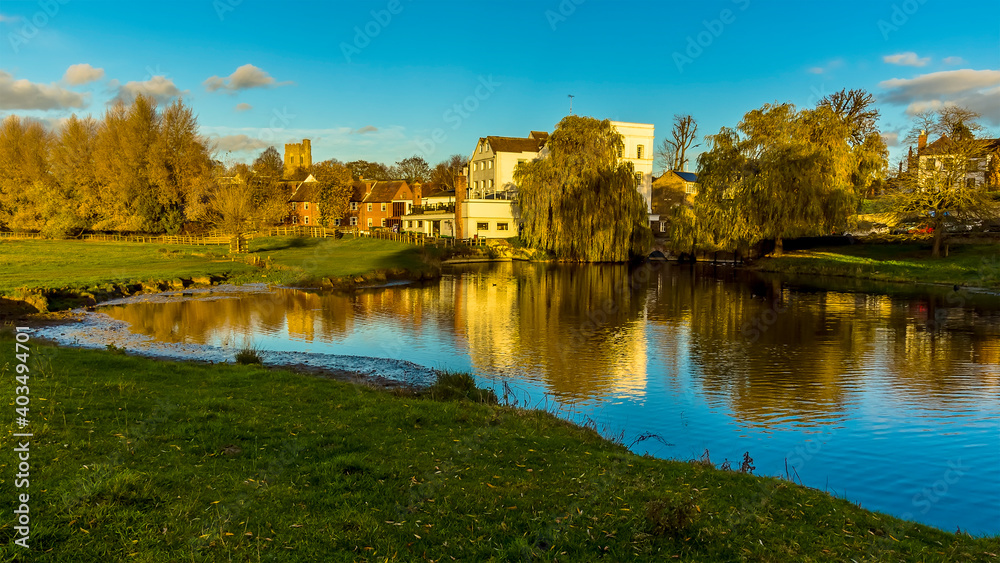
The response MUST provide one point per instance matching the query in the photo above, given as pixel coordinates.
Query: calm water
(890, 401)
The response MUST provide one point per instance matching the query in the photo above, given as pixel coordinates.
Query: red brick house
(376, 204)
(305, 203)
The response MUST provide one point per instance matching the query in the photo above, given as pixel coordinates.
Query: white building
(491, 166)
(638, 150)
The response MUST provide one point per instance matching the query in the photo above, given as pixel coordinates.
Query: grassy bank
(140, 460)
(54, 274)
(967, 265)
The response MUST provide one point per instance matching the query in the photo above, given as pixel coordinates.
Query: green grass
(966, 265)
(55, 274)
(139, 460)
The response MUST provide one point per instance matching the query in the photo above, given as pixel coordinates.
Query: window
(307, 219)
(503, 227)
(336, 222)
(409, 224)
(301, 160)
(489, 164)
(295, 219)
(638, 151)
(690, 188)
(369, 221)
(354, 221)
(619, 149)
(482, 226)
(491, 184)
(420, 224)
(383, 207)
(383, 221)
(663, 226)
(929, 165)
(307, 205)
(354, 206)
(369, 207)
(293, 206)
(638, 179)
(970, 182)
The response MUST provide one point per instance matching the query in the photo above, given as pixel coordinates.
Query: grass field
(141, 460)
(92, 267)
(966, 265)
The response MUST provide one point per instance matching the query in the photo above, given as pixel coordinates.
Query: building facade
(638, 150)
(492, 163)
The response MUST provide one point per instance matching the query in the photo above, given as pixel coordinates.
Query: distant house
(377, 204)
(638, 149)
(434, 215)
(934, 158)
(304, 202)
(491, 166)
(672, 189)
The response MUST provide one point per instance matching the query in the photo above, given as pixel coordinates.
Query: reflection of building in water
(300, 315)
(573, 331)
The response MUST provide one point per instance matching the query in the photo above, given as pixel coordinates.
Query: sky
(387, 79)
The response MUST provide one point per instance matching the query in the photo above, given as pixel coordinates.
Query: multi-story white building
(638, 150)
(491, 166)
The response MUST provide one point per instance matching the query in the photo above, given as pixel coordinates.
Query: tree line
(140, 168)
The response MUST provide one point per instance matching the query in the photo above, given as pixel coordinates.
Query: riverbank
(138, 459)
(52, 275)
(972, 265)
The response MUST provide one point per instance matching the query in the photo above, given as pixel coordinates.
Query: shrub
(249, 355)
(455, 386)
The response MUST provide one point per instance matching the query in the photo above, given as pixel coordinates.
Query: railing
(216, 240)
(15, 235)
(436, 208)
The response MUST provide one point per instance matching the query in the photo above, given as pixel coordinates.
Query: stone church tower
(297, 155)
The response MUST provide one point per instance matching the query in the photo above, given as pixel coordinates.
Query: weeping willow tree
(579, 201)
(784, 173)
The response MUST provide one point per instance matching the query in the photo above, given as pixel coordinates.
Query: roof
(515, 144)
(943, 146)
(385, 191)
(686, 176)
(307, 191)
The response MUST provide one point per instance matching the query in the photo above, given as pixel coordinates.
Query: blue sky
(387, 79)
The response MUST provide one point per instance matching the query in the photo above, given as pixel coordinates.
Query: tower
(297, 155)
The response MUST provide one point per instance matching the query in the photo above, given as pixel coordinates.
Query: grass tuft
(249, 355)
(456, 386)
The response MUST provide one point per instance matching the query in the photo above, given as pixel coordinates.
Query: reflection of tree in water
(574, 327)
(769, 353)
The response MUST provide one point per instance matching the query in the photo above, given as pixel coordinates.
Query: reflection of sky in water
(862, 394)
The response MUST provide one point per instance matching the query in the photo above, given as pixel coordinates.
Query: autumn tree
(580, 201)
(673, 152)
(335, 187)
(25, 181)
(269, 163)
(944, 187)
(75, 194)
(180, 164)
(783, 173)
(445, 172)
(413, 169)
(368, 170)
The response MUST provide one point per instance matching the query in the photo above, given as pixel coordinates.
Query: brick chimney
(921, 141)
(461, 184)
(368, 187)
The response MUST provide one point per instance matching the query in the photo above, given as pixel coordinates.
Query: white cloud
(23, 94)
(82, 74)
(953, 60)
(909, 58)
(243, 78)
(243, 107)
(9, 19)
(237, 143)
(160, 88)
(834, 64)
(891, 138)
(978, 90)
(367, 129)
